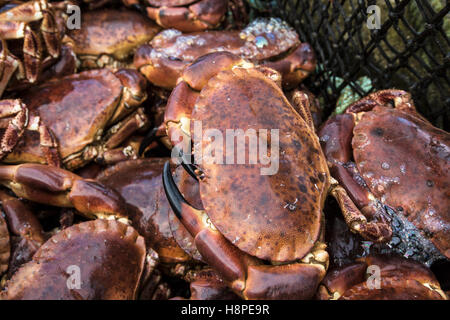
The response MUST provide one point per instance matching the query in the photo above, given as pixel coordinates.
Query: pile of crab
(100, 198)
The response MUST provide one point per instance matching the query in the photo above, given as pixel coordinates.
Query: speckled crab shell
(140, 184)
(114, 33)
(405, 162)
(110, 256)
(278, 217)
(261, 39)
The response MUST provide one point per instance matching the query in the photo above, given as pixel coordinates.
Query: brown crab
(270, 42)
(89, 114)
(184, 15)
(30, 35)
(263, 234)
(393, 164)
(140, 183)
(109, 37)
(67, 265)
(399, 279)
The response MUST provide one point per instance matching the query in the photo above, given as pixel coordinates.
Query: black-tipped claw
(173, 195)
(187, 165)
(148, 140)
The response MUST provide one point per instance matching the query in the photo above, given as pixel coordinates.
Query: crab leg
(58, 187)
(15, 127)
(50, 33)
(110, 152)
(8, 65)
(49, 146)
(126, 128)
(32, 55)
(4, 246)
(246, 275)
(400, 99)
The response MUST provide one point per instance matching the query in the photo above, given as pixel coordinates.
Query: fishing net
(363, 46)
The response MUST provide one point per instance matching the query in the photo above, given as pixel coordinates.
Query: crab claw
(202, 15)
(296, 66)
(92, 260)
(58, 187)
(188, 166)
(362, 212)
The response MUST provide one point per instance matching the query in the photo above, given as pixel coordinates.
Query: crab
(109, 37)
(88, 114)
(184, 15)
(30, 35)
(261, 233)
(399, 279)
(25, 234)
(153, 218)
(67, 265)
(270, 42)
(61, 188)
(394, 168)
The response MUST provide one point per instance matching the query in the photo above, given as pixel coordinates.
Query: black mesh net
(408, 50)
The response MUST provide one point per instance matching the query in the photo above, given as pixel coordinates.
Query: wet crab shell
(186, 15)
(4, 245)
(111, 32)
(278, 217)
(399, 279)
(140, 184)
(110, 256)
(76, 108)
(405, 162)
(273, 37)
